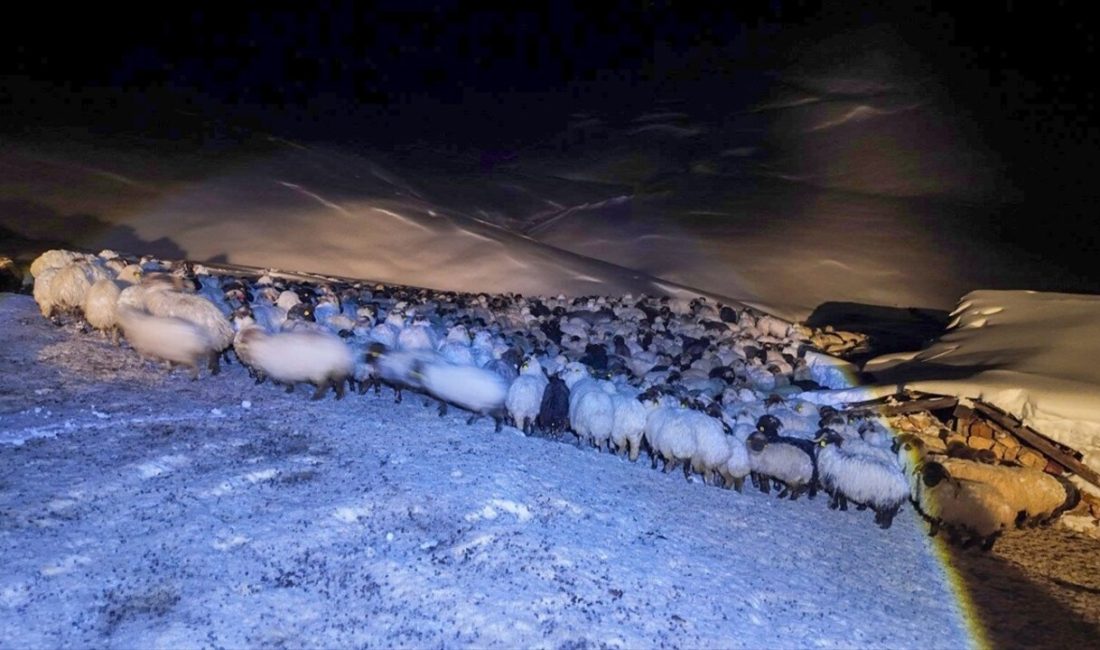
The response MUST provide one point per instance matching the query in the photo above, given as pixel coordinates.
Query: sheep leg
(843, 501)
(669, 465)
(338, 386)
(933, 527)
(783, 492)
(687, 470)
(473, 418)
(653, 461)
(738, 483)
(987, 544)
(212, 363)
(322, 388)
(834, 502)
(765, 484)
(396, 395)
(861, 507)
(289, 388)
(886, 517)
(498, 424)
(797, 492)
(362, 388)
(755, 479)
(194, 372)
(442, 408)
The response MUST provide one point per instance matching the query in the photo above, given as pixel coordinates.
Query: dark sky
(1032, 58)
(1023, 70)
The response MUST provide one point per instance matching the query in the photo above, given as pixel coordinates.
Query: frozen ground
(141, 509)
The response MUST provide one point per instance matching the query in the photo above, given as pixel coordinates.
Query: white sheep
(772, 458)
(173, 340)
(712, 448)
(525, 394)
(628, 425)
(860, 477)
(55, 259)
(288, 358)
(971, 511)
(738, 465)
(591, 415)
(63, 289)
(1035, 496)
(161, 299)
(101, 307)
(670, 437)
(475, 389)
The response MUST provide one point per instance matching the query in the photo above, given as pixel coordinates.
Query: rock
(981, 429)
(979, 442)
(1029, 458)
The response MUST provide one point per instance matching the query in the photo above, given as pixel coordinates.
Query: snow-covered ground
(141, 509)
(1034, 355)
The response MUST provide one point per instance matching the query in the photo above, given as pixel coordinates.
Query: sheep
(55, 259)
(63, 289)
(244, 321)
(592, 415)
(161, 299)
(291, 357)
(525, 394)
(475, 389)
(101, 307)
(772, 458)
(591, 411)
(737, 465)
(628, 424)
(859, 477)
(968, 509)
(670, 437)
(711, 447)
(394, 367)
(173, 340)
(554, 410)
(1035, 496)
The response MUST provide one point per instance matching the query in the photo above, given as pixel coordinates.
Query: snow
(849, 181)
(1034, 355)
(364, 522)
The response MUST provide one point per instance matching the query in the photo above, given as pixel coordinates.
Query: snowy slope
(1034, 355)
(141, 509)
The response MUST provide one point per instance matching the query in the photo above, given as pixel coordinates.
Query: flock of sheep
(709, 388)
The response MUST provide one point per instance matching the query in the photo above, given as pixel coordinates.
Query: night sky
(391, 72)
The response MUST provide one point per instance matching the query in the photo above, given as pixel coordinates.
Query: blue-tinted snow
(141, 509)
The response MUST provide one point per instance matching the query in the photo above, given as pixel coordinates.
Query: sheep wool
(469, 387)
(55, 259)
(592, 414)
(1035, 496)
(320, 359)
(863, 479)
(628, 425)
(970, 510)
(786, 463)
(160, 300)
(101, 307)
(554, 410)
(169, 339)
(711, 447)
